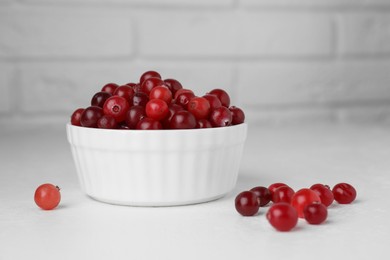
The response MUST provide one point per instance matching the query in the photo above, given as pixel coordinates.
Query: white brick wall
(281, 60)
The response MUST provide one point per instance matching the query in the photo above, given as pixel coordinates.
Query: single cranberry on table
(90, 116)
(110, 87)
(116, 107)
(263, 194)
(282, 216)
(324, 193)
(315, 213)
(151, 83)
(283, 194)
(213, 101)
(274, 186)
(149, 74)
(222, 95)
(173, 85)
(140, 99)
(203, 123)
(182, 120)
(47, 196)
(302, 198)
(124, 91)
(134, 115)
(220, 117)
(149, 124)
(247, 203)
(344, 193)
(238, 116)
(157, 109)
(76, 116)
(161, 92)
(199, 107)
(107, 122)
(99, 98)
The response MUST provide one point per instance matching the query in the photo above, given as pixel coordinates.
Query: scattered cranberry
(282, 216)
(263, 194)
(47, 196)
(274, 186)
(221, 117)
(183, 120)
(282, 194)
(107, 122)
(90, 116)
(324, 192)
(199, 107)
(116, 107)
(302, 198)
(315, 213)
(148, 124)
(247, 203)
(110, 87)
(344, 193)
(75, 118)
(222, 95)
(99, 98)
(149, 74)
(238, 116)
(134, 115)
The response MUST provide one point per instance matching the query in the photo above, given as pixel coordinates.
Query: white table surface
(81, 228)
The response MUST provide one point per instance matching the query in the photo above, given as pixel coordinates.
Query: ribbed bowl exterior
(157, 167)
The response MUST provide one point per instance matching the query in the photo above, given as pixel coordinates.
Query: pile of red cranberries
(288, 205)
(156, 103)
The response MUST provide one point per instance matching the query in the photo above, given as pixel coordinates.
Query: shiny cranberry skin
(213, 101)
(173, 108)
(282, 194)
(183, 90)
(140, 99)
(124, 91)
(324, 192)
(184, 98)
(302, 198)
(263, 194)
(107, 122)
(315, 213)
(222, 95)
(203, 123)
(157, 109)
(161, 92)
(75, 118)
(183, 120)
(134, 115)
(220, 117)
(173, 85)
(116, 107)
(148, 124)
(149, 74)
(247, 203)
(132, 85)
(199, 107)
(110, 87)
(344, 193)
(274, 186)
(151, 83)
(99, 98)
(282, 216)
(90, 116)
(238, 116)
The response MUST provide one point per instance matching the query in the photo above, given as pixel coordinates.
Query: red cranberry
(157, 109)
(315, 213)
(148, 124)
(110, 87)
(246, 203)
(151, 83)
(140, 99)
(213, 101)
(263, 194)
(238, 116)
(183, 120)
(184, 98)
(282, 194)
(324, 192)
(173, 108)
(222, 95)
(116, 107)
(149, 74)
(107, 122)
(344, 193)
(161, 92)
(302, 198)
(220, 117)
(274, 186)
(173, 85)
(75, 118)
(199, 107)
(282, 216)
(124, 91)
(90, 116)
(183, 90)
(134, 115)
(99, 98)
(203, 123)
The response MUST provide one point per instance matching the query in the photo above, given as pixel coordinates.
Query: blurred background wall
(283, 61)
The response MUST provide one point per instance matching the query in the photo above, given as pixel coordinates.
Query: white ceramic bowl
(157, 167)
